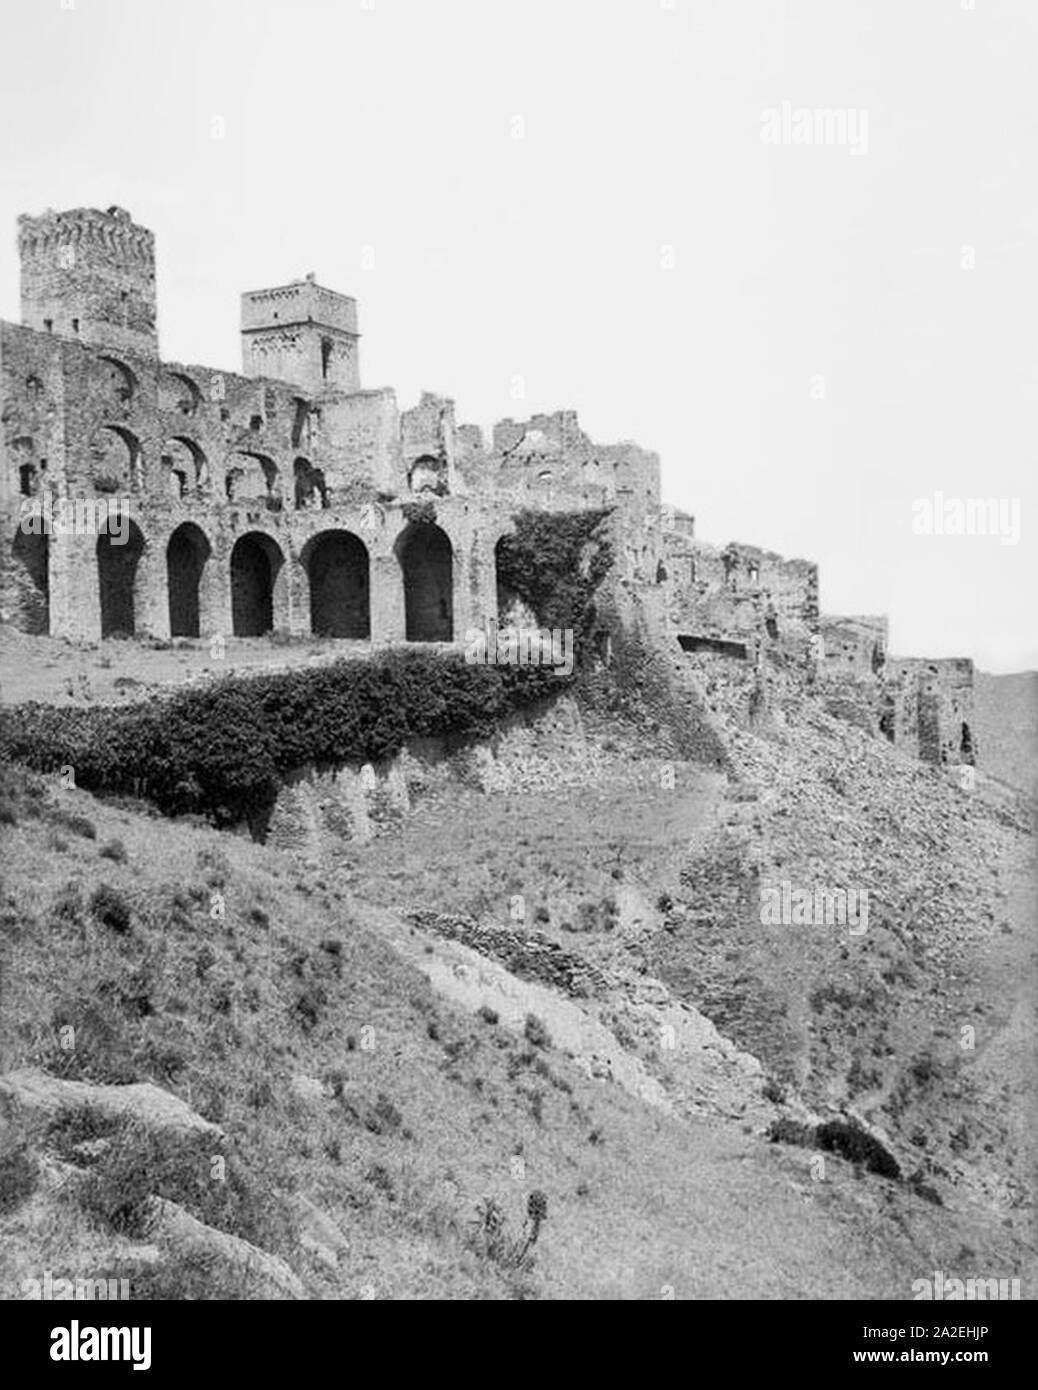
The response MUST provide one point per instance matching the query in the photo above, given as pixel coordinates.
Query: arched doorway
(427, 562)
(31, 579)
(336, 563)
(186, 556)
(117, 577)
(256, 561)
(509, 603)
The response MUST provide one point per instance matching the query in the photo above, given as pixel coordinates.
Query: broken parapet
(740, 600)
(931, 702)
(853, 646)
(550, 455)
(924, 706)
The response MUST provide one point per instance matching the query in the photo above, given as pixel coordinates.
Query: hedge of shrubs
(223, 750)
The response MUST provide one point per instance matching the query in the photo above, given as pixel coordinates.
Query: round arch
(256, 565)
(118, 463)
(117, 566)
(427, 564)
(188, 466)
(30, 551)
(187, 553)
(338, 570)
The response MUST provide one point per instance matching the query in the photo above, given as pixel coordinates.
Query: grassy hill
(422, 1089)
(1006, 718)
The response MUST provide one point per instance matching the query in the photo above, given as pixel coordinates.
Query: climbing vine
(555, 562)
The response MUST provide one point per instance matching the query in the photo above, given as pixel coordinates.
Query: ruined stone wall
(923, 706)
(738, 596)
(284, 496)
(854, 646)
(932, 703)
(288, 498)
(90, 275)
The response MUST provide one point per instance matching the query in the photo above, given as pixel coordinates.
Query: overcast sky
(569, 203)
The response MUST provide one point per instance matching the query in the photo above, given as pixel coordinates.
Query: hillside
(400, 1054)
(1006, 716)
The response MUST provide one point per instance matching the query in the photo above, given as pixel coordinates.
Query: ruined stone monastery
(288, 498)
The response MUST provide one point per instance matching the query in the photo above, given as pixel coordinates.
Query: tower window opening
(48, 325)
(326, 356)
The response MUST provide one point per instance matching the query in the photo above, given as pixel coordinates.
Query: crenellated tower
(303, 334)
(90, 275)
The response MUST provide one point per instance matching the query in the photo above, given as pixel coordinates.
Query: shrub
(774, 1091)
(71, 1125)
(925, 1190)
(387, 1114)
(591, 916)
(76, 825)
(831, 994)
(222, 750)
(110, 908)
(924, 1070)
(90, 1043)
(488, 1015)
(490, 1237)
(114, 850)
(309, 1005)
(217, 869)
(139, 1163)
(18, 1173)
(787, 1131)
(536, 1032)
(858, 1146)
(68, 905)
(381, 1179)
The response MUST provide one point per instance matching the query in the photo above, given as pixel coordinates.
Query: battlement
(113, 231)
(301, 302)
(301, 333)
(90, 275)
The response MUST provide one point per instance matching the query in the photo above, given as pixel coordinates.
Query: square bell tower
(303, 334)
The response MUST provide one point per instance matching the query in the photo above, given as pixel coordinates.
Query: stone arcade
(289, 499)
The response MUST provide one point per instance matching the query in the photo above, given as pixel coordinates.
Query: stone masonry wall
(290, 499)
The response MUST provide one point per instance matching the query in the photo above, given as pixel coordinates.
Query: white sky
(388, 127)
